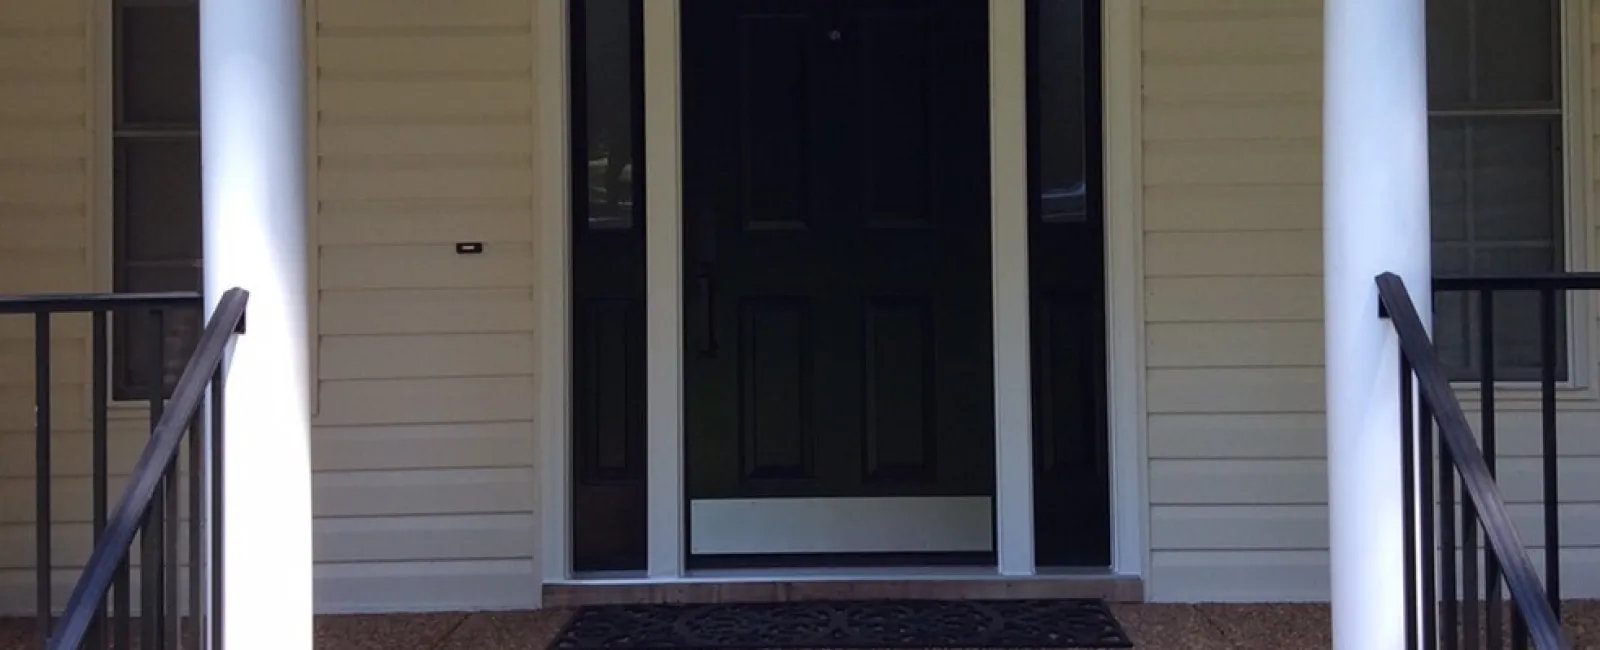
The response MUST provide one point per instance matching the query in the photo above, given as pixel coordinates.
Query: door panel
(836, 239)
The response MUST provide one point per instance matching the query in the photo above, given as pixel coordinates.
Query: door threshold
(885, 583)
(866, 573)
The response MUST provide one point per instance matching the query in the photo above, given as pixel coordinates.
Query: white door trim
(663, 257)
(553, 295)
(1124, 232)
(1008, 209)
(1014, 496)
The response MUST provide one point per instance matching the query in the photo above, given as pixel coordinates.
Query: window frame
(1577, 226)
(133, 399)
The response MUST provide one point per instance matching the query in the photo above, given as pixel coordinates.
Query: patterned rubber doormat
(819, 625)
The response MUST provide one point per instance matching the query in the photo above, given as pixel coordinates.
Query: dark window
(1066, 281)
(1059, 80)
(606, 81)
(608, 317)
(156, 181)
(1498, 190)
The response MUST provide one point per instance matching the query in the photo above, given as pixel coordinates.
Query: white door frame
(664, 301)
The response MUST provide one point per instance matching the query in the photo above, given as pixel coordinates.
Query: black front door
(836, 240)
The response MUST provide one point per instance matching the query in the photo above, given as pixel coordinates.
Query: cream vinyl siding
(424, 441)
(46, 241)
(423, 448)
(1233, 260)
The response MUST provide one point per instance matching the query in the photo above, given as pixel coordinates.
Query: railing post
(1469, 524)
(1375, 211)
(101, 452)
(42, 473)
(216, 433)
(151, 533)
(1408, 496)
(1551, 465)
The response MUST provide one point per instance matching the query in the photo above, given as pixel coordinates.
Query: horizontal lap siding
(424, 444)
(46, 241)
(423, 449)
(1237, 475)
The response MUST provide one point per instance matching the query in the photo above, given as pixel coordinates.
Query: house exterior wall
(1237, 474)
(423, 444)
(45, 241)
(424, 134)
(423, 437)
(1234, 392)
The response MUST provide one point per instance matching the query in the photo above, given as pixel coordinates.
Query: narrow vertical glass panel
(605, 132)
(1496, 194)
(1496, 181)
(1517, 58)
(1066, 280)
(1449, 178)
(158, 63)
(607, 144)
(158, 249)
(132, 330)
(158, 200)
(1454, 314)
(1502, 53)
(1516, 191)
(1059, 81)
(1449, 51)
(156, 180)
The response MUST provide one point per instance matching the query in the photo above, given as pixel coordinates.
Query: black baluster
(1493, 633)
(150, 573)
(1547, 382)
(1519, 628)
(42, 471)
(123, 590)
(170, 507)
(197, 456)
(1469, 573)
(217, 475)
(1469, 510)
(1449, 601)
(1408, 477)
(1430, 559)
(100, 451)
(170, 536)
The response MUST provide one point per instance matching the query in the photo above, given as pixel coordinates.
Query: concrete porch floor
(1153, 627)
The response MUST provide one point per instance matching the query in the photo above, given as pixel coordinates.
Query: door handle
(706, 331)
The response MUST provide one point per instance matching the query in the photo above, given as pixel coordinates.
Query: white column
(253, 150)
(1375, 219)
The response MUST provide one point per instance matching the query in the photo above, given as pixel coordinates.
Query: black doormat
(887, 624)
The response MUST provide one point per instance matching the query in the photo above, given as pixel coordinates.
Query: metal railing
(1551, 292)
(1429, 406)
(101, 610)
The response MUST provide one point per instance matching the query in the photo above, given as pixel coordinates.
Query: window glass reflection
(607, 101)
(1060, 169)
